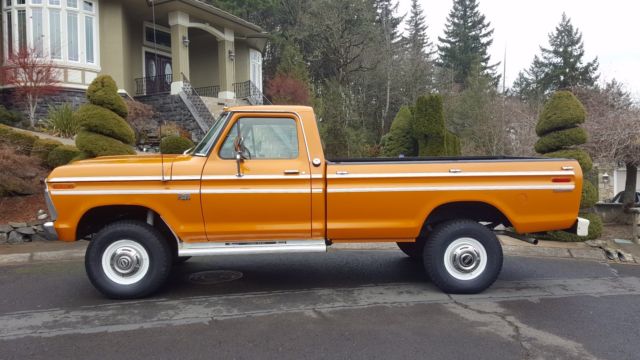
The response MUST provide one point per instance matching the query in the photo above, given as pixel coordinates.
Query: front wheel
(462, 257)
(128, 260)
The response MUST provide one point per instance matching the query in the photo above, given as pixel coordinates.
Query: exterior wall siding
(203, 59)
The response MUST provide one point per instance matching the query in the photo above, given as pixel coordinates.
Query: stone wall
(74, 97)
(172, 108)
(605, 181)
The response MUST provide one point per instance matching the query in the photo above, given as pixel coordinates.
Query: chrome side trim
(125, 192)
(315, 191)
(343, 175)
(256, 191)
(105, 178)
(50, 231)
(452, 188)
(258, 247)
(257, 177)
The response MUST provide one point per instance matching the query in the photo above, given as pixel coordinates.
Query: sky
(610, 30)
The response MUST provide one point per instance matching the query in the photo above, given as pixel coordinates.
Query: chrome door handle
(292, 172)
(455, 171)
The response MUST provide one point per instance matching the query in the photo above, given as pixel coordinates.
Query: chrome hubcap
(465, 258)
(125, 262)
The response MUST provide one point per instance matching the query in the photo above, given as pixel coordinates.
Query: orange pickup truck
(259, 183)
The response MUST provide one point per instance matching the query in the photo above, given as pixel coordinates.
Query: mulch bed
(21, 208)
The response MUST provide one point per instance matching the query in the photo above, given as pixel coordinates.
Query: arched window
(64, 30)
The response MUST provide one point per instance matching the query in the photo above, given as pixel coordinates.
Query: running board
(242, 248)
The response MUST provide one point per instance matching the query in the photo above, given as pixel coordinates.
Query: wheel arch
(96, 218)
(479, 211)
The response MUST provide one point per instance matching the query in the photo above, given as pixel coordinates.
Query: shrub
(579, 155)
(104, 122)
(21, 141)
(557, 140)
(589, 194)
(42, 148)
(103, 92)
(21, 174)
(399, 140)
(94, 144)
(286, 89)
(429, 128)
(61, 122)
(595, 230)
(562, 111)
(175, 144)
(10, 117)
(62, 155)
(140, 118)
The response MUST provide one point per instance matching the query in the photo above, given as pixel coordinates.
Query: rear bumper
(50, 231)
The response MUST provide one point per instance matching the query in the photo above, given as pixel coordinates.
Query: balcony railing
(249, 91)
(151, 85)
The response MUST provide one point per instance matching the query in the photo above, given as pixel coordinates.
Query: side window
(265, 138)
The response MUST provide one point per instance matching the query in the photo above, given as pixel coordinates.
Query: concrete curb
(581, 253)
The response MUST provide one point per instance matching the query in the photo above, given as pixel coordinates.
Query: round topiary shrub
(175, 144)
(562, 111)
(103, 92)
(42, 148)
(561, 139)
(62, 155)
(94, 145)
(103, 121)
(104, 131)
(589, 194)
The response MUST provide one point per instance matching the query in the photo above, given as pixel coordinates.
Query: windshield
(203, 147)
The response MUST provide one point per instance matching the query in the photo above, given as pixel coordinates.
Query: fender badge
(184, 197)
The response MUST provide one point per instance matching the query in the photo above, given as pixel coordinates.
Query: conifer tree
(466, 42)
(561, 66)
(418, 51)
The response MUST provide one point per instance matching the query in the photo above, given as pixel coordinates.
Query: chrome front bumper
(582, 227)
(50, 231)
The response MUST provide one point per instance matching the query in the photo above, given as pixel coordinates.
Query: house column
(226, 66)
(179, 23)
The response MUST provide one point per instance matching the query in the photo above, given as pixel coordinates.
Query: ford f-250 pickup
(259, 183)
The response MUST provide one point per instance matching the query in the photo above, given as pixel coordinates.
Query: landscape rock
(37, 237)
(5, 228)
(3, 238)
(16, 225)
(28, 230)
(15, 238)
(38, 229)
(35, 222)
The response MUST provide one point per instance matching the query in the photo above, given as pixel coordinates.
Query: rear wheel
(413, 250)
(128, 260)
(462, 257)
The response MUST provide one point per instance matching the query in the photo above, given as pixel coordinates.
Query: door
(158, 73)
(271, 199)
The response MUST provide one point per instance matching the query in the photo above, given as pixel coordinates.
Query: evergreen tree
(418, 51)
(400, 140)
(466, 42)
(429, 129)
(561, 66)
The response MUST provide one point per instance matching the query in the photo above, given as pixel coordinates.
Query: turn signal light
(62, 186)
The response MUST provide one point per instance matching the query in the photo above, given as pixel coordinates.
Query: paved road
(342, 305)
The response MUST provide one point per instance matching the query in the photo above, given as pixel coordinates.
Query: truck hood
(118, 167)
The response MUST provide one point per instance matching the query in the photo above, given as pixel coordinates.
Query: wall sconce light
(605, 178)
(185, 41)
(232, 55)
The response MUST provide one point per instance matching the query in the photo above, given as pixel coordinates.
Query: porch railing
(196, 106)
(208, 91)
(249, 91)
(151, 85)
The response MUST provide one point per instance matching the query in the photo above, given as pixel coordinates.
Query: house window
(63, 30)
(162, 36)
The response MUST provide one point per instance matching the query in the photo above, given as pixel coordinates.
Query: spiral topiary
(560, 134)
(104, 130)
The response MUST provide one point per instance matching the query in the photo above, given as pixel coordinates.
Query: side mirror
(239, 148)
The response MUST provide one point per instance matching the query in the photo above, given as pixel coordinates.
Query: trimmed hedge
(399, 140)
(103, 91)
(589, 194)
(42, 148)
(579, 155)
(175, 144)
(8, 117)
(21, 141)
(105, 122)
(562, 111)
(557, 140)
(62, 155)
(99, 145)
(595, 230)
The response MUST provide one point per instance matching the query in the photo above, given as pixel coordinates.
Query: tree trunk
(628, 198)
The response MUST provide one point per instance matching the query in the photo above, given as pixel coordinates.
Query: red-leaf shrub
(284, 89)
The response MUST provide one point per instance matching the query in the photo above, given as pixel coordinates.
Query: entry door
(159, 73)
(271, 199)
